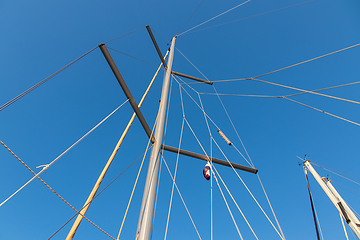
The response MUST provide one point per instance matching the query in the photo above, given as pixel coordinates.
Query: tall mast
(147, 205)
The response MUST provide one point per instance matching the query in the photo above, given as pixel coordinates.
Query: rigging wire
(135, 184)
(57, 194)
(167, 110)
(198, 105)
(54, 74)
(290, 95)
(342, 85)
(251, 164)
(36, 175)
(306, 61)
(43, 81)
(123, 35)
(234, 202)
(231, 80)
(192, 63)
(354, 191)
(321, 234)
(339, 170)
(214, 17)
(211, 139)
(191, 16)
(232, 124)
(305, 91)
(209, 117)
(235, 172)
(223, 107)
(152, 175)
(176, 165)
(294, 65)
(211, 184)
(132, 56)
(201, 108)
(240, 95)
(173, 186)
(227, 205)
(249, 191)
(272, 210)
(319, 165)
(260, 14)
(96, 196)
(167, 41)
(278, 224)
(336, 173)
(187, 210)
(333, 115)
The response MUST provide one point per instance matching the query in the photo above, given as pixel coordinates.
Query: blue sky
(39, 38)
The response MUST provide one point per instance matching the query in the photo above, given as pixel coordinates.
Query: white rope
(45, 167)
(241, 95)
(250, 163)
(96, 126)
(35, 176)
(317, 219)
(187, 210)
(242, 214)
(210, 119)
(336, 173)
(256, 15)
(202, 109)
(211, 181)
(192, 64)
(305, 91)
(197, 139)
(214, 17)
(218, 174)
(272, 210)
(194, 99)
(227, 205)
(176, 167)
(232, 124)
(249, 190)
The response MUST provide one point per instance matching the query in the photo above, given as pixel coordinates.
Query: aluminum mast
(336, 199)
(147, 205)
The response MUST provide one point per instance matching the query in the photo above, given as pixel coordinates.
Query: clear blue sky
(40, 37)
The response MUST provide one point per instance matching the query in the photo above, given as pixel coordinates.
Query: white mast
(147, 206)
(336, 199)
